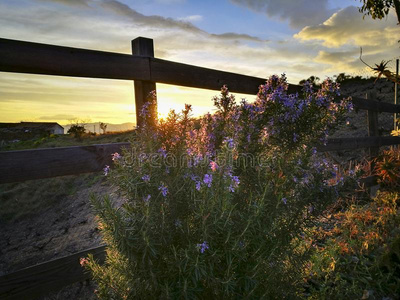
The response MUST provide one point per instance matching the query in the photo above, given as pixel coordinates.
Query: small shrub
(387, 167)
(219, 210)
(77, 130)
(359, 256)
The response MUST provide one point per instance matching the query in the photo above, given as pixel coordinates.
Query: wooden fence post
(143, 47)
(373, 128)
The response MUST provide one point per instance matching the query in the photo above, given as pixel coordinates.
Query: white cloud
(347, 27)
(344, 33)
(191, 19)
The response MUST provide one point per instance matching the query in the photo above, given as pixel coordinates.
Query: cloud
(340, 60)
(57, 117)
(70, 2)
(299, 13)
(124, 10)
(190, 19)
(170, 1)
(347, 27)
(344, 33)
(237, 36)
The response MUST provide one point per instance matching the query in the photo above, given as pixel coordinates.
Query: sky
(253, 37)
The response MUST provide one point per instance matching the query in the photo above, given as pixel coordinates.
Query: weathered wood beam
(144, 47)
(35, 58)
(39, 280)
(51, 162)
(336, 144)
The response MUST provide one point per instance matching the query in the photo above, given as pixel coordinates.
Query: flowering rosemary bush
(216, 207)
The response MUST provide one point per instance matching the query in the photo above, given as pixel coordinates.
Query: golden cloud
(347, 27)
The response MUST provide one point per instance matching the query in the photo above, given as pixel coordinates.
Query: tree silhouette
(314, 80)
(378, 9)
(103, 126)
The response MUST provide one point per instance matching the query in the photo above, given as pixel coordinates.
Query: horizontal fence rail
(35, 58)
(51, 162)
(336, 144)
(36, 281)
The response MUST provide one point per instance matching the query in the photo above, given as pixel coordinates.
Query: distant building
(26, 130)
(52, 128)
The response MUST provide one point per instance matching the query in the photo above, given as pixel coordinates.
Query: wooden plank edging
(51, 162)
(43, 278)
(336, 144)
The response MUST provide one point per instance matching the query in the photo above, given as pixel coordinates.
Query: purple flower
(163, 152)
(163, 189)
(198, 185)
(284, 200)
(115, 156)
(146, 199)
(208, 179)
(197, 159)
(314, 151)
(145, 109)
(203, 246)
(235, 181)
(229, 142)
(106, 170)
(146, 178)
(295, 137)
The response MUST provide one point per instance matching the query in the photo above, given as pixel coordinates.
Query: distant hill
(95, 127)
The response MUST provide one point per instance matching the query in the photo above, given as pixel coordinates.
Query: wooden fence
(145, 71)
